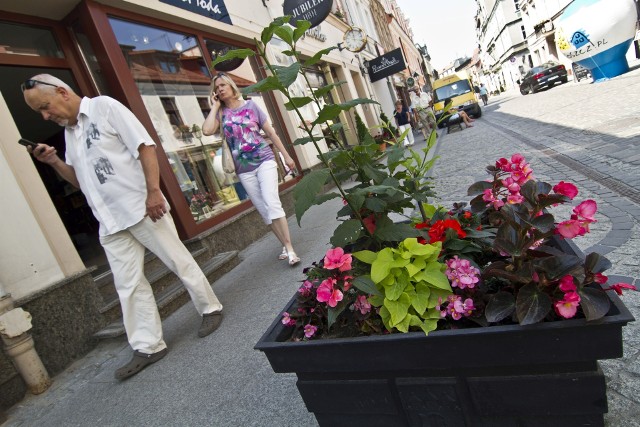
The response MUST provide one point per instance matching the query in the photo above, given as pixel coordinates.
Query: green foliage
(361, 128)
(382, 187)
(410, 282)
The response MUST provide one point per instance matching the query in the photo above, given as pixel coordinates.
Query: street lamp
(423, 51)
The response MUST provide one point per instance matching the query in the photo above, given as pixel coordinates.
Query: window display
(173, 78)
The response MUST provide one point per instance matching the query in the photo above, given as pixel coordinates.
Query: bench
(454, 121)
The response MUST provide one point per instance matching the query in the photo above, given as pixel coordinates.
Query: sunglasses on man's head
(30, 84)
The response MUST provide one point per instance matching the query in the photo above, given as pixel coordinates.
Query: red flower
(438, 230)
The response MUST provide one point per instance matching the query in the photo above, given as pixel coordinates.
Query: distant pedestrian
(403, 121)
(118, 173)
(484, 94)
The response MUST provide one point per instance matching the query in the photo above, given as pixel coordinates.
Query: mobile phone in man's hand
(27, 143)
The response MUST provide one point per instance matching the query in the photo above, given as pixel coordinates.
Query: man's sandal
(138, 362)
(283, 255)
(293, 258)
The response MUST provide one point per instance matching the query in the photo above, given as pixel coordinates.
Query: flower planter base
(540, 375)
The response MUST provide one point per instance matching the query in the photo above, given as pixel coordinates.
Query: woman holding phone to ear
(255, 162)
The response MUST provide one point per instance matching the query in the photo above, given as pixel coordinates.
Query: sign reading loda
(314, 11)
(214, 9)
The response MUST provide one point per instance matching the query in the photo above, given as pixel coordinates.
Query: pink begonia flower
(456, 308)
(336, 258)
(310, 330)
(503, 164)
(465, 308)
(326, 293)
(618, 287)
(566, 189)
(287, 320)
(568, 306)
(511, 185)
(600, 278)
(362, 304)
(305, 289)
(567, 284)
(514, 199)
(586, 210)
(461, 273)
(488, 195)
(571, 228)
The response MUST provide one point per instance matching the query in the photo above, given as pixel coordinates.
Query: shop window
(89, 57)
(174, 80)
(19, 39)
(204, 106)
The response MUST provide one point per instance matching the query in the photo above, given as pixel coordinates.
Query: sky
(434, 21)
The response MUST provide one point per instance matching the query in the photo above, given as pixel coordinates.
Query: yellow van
(460, 90)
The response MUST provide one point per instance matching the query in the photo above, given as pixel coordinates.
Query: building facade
(502, 42)
(154, 57)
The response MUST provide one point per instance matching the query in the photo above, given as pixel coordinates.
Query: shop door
(68, 200)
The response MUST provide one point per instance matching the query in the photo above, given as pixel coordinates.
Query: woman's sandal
(283, 255)
(293, 258)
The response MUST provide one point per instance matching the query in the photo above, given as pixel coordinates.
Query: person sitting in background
(455, 114)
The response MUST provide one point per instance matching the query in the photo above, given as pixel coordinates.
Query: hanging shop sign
(386, 65)
(314, 11)
(214, 9)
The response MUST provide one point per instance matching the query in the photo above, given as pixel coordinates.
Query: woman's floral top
(242, 132)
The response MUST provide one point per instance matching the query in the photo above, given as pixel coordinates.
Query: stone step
(169, 292)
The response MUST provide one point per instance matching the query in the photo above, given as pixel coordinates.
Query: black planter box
(539, 375)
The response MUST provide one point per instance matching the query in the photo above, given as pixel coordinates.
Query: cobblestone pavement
(588, 134)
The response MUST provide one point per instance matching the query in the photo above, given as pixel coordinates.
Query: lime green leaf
(367, 257)
(395, 289)
(376, 300)
(434, 278)
(419, 249)
(307, 189)
(381, 266)
(386, 317)
(420, 301)
(429, 325)
(398, 309)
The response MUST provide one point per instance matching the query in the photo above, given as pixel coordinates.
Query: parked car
(543, 77)
(579, 72)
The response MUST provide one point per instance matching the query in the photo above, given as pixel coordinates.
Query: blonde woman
(255, 162)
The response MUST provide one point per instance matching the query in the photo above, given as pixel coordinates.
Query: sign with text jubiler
(214, 9)
(314, 11)
(386, 65)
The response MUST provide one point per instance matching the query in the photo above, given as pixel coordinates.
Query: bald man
(112, 159)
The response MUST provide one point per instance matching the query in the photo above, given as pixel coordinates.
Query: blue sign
(214, 9)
